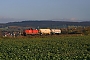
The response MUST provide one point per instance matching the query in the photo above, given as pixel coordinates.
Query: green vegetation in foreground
(45, 48)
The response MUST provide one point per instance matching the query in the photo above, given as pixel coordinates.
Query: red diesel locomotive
(31, 32)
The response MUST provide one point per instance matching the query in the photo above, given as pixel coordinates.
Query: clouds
(73, 19)
(7, 19)
(47, 9)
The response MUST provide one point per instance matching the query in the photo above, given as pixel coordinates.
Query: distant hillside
(44, 24)
(2, 25)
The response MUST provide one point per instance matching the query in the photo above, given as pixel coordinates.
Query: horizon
(63, 10)
(42, 20)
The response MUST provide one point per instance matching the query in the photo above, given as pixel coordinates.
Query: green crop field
(45, 48)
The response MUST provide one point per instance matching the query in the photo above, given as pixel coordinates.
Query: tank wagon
(55, 31)
(45, 31)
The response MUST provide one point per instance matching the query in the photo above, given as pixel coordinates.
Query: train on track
(41, 31)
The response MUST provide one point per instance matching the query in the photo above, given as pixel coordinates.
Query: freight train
(41, 31)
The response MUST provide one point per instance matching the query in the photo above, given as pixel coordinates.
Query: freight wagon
(45, 31)
(55, 31)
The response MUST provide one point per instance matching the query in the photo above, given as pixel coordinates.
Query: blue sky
(70, 10)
